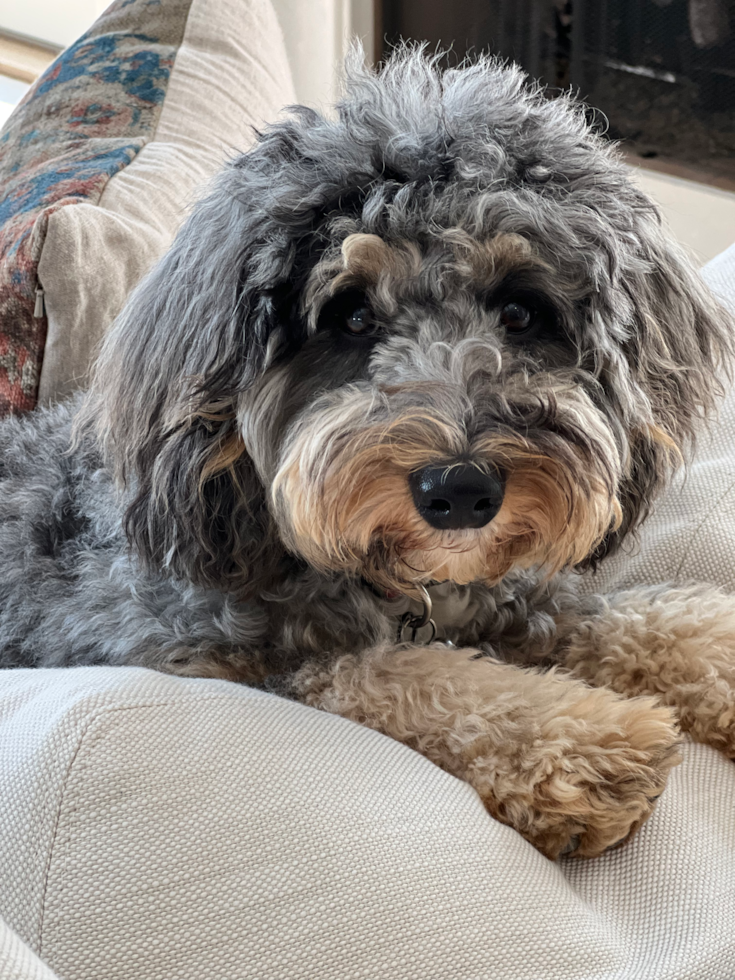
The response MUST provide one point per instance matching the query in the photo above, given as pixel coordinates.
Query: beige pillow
(230, 74)
(154, 828)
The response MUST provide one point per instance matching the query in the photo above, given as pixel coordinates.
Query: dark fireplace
(662, 72)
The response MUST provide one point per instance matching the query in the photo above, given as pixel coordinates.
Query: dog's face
(442, 338)
(435, 423)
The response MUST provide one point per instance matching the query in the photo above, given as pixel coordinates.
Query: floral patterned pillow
(83, 121)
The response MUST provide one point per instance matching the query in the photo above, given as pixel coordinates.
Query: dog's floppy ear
(163, 400)
(678, 351)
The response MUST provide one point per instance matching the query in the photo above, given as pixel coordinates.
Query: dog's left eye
(529, 319)
(518, 319)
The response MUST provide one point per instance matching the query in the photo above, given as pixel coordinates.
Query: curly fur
(553, 758)
(235, 500)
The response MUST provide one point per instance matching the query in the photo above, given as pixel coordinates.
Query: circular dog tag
(411, 626)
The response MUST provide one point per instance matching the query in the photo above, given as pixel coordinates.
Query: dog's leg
(570, 767)
(675, 643)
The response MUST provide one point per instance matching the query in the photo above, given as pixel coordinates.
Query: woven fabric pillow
(125, 126)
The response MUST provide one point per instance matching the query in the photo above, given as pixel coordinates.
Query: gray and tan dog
(436, 349)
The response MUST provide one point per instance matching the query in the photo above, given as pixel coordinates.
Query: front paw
(571, 767)
(675, 643)
(586, 776)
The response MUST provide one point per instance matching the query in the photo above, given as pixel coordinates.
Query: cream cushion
(17, 961)
(154, 828)
(230, 74)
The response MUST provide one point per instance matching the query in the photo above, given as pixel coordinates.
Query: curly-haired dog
(439, 343)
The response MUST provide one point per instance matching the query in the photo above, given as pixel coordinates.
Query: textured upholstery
(126, 126)
(17, 960)
(155, 827)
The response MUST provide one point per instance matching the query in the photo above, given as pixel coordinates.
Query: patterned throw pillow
(82, 122)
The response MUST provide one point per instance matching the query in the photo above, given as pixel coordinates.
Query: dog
(402, 375)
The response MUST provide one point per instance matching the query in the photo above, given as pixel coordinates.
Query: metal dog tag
(412, 624)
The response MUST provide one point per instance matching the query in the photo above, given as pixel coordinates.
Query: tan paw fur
(677, 644)
(568, 766)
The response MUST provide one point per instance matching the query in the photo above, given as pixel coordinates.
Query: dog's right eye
(360, 322)
(350, 314)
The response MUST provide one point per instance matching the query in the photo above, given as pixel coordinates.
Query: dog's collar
(410, 625)
(389, 595)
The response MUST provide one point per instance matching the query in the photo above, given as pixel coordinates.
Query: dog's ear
(678, 352)
(163, 400)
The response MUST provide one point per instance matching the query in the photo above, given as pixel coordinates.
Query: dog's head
(440, 337)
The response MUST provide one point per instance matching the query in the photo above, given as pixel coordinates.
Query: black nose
(452, 497)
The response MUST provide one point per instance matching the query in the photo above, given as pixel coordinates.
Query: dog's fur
(237, 503)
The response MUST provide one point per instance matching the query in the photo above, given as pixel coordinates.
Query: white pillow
(156, 827)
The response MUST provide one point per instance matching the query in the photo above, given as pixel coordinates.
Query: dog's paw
(675, 643)
(571, 767)
(706, 710)
(587, 777)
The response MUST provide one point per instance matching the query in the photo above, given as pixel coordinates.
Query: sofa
(163, 828)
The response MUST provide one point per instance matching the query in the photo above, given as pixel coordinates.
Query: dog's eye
(350, 314)
(518, 319)
(526, 319)
(359, 322)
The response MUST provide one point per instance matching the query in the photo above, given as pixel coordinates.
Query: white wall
(317, 33)
(701, 217)
(56, 21)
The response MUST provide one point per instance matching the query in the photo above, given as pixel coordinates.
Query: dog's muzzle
(457, 497)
